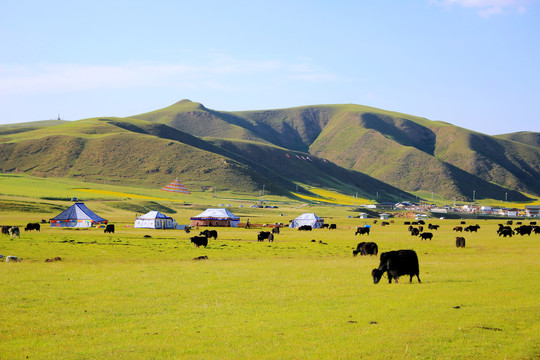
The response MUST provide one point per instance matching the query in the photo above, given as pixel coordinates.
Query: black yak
(362, 230)
(397, 263)
(426, 235)
(460, 242)
(263, 235)
(366, 248)
(209, 234)
(199, 241)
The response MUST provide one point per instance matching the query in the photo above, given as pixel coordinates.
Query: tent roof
(215, 214)
(176, 186)
(308, 216)
(153, 215)
(78, 211)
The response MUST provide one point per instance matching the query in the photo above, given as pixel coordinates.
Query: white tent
(155, 220)
(307, 219)
(215, 217)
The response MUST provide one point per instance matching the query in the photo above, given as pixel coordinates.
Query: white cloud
(487, 8)
(214, 73)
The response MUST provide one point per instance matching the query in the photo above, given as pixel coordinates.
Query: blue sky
(472, 63)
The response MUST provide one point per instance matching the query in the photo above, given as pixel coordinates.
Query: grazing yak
(362, 230)
(366, 248)
(32, 226)
(14, 231)
(397, 263)
(332, 226)
(460, 242)
(5, 230)
(458, 229)
(426, 235)
(209, 234)
(523, 230)
(275, 230)
(472, 228)
(505, 231)
(263, 235)
(305, 228)
(433, 227)
(109, 229)
(199, 241)
(415, 232)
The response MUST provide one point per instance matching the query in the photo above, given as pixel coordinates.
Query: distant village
(467, 209)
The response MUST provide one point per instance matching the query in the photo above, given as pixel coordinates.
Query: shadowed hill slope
(405, 151)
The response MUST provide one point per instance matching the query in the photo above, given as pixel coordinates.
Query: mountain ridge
(348, 145)
(354, 136)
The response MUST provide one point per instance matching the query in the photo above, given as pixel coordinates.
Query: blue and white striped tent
(77, 215)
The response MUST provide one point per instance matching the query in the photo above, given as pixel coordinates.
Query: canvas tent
(176, 186)
(155, 220)
(77, 215)
(215, 217)
(307, 219)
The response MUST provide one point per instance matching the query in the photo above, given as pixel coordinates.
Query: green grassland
(124, 296)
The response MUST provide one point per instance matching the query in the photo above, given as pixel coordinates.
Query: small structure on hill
(77, 215)
(215, 217)
(307, 219)
(155, 220)
(176, 186)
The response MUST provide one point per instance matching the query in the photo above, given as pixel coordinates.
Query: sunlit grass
(126, 296)
(123, 195)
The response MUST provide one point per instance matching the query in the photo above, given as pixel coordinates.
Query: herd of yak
(395, 263)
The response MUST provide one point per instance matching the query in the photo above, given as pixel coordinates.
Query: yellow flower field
(331, 197)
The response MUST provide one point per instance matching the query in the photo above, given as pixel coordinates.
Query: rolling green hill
(525, 137)
(408, 152)
(349, 148)
(133, 151)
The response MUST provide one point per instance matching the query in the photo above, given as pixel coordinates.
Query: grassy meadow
(124, 296)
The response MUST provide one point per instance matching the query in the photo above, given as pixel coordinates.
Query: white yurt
(155, 220)
(307, 219)
(215, 217)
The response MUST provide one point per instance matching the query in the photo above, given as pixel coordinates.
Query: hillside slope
(102, 149)
(525, 137)
(405, 151)
(133, 151)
